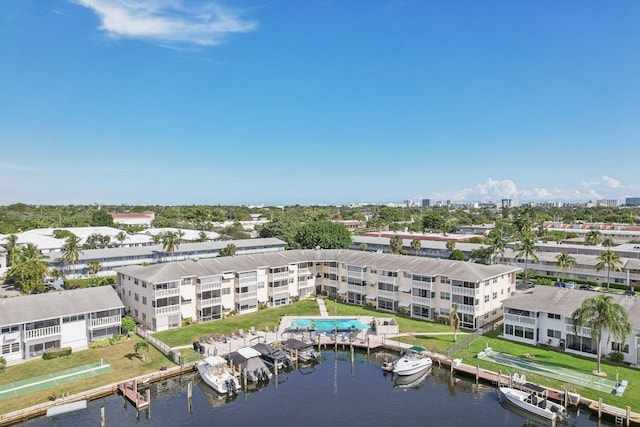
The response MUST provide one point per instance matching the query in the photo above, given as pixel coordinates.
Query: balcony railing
(523, 320)
(387, 294)
(304, 271)
(106, 321)
(355, 274)
(161, 293)
(246, 295)
(469, 309)
(280, 276)
(465, 291)
(387, 279)
(210, 302)
(356, 288)
(168, 309)
(42, 332)
(204, 287)
(579, 331)
(418, 284)
(305, 284)
(421, 300)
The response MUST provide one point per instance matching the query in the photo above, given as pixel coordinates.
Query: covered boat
(273, 357)
(248, 360)
(217, 375)
(306, 353)
(413, 361)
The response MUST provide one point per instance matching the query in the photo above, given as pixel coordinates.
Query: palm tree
(12, 249)
(598, 313)
(121, 237)
(170, 242)
(608, 242)
(593, 238)
(29, 251)
(230, 250)
(156, 238)
(71, 250)
(363, 247)
(416, 245)
(141, 346)
(94, 267)
(527, 248)
(610, 260)
(454, 320)
(396, 243)
(565, 262)
(451, 245)
(202, 236)
(180, 235)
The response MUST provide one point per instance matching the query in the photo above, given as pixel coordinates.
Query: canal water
(335, 392)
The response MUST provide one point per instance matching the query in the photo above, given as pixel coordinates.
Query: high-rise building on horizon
(426, 203)
(632, 201)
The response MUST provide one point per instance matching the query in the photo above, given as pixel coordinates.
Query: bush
(57, 353)
(100, 343)
(3, 363)
(616, 356)
(117, 339)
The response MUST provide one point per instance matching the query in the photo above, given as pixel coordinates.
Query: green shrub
(616, 356)
(3, 363)
(56, 353)
(117, 339)
(100, 343)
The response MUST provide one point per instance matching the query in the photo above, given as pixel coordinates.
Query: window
(144, 284)
(445, 295)
(551, 333)
(11, 348)
(73, 318)
(144, 300)
(135, 312)
(508, 329)
(528, 333)
(553, 316)
(8, 329)
(486, 298)
(227, 291)
(616, 346)
(495, 295)
(129, 293)
(137, 298)
(144, 316)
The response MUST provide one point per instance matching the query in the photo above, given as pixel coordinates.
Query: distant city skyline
(201, 102)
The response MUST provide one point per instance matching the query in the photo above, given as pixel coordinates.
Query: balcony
(305, 284)
(210, 302)
(162, 293)
(304, 271)
(469, 309)
(422, 300)
(169, 309)
(101, 322)
(42, 332)
(284, 275)
(387, 294)
(356, 288)
(355, 274)
(246, 295)
(522, 320)
(579, 331)
(459, 290)
(204, 287)
(387, 279)
(418, 284)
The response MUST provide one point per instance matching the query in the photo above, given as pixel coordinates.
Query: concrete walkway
(322, 307)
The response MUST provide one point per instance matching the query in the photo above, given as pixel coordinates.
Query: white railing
(524, 320)
(304, 271)
(169, 309)
(106, 321)
(422, 285)
(161, 293)
(204, 287)
(246, 295)
(387, 279)
(280, 276)
(465, 291)
(470, 309)
(42, 332)
(580, 331)
(356, 288)
(421, 300)
(247, 280)
(355, 274)
(387, 294)
(210, 302)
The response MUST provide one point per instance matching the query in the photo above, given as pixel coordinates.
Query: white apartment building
(161, 296)
(544, 316)
(31, 324)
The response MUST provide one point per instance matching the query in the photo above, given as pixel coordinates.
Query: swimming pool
(328, 325)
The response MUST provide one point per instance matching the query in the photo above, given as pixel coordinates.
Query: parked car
(570, 285)
(585, 287)
(629, 292)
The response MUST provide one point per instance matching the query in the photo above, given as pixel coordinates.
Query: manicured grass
(631, 396)
(268, 317)
(120, 356)
(433, 343)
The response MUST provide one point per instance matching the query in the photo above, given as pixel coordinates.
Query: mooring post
(368, 345)
(599, 408)
(499, 377)
(147, 397)
(102, 421)
(628, 416)
(477, 376)
(244, 378)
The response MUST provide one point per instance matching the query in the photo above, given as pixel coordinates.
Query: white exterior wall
(9, 339)
(74, 334)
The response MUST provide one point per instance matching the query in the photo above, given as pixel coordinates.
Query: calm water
(335, 392)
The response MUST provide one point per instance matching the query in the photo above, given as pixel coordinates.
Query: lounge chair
(240, 333)
(252, 331)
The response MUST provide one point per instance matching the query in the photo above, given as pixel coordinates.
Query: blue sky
(285, 102)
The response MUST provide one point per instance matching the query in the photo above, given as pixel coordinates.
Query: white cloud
(173, 21)
(610, 182)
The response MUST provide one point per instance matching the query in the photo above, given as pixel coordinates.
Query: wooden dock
(129, 390)
(620, 415)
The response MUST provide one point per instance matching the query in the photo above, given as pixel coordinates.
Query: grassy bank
(121, 357)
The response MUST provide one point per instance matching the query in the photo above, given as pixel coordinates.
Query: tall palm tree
(450, 245)
(598, 313)
(454, 320)
(29, 251)
(527, 248)
(564, 262)
(608, 242)
(230, 250)
(416, 245)
(94, 267)
(170, 242)
(12, 249)
(156, 238)
(593, 238)
(180, 235)
(202, 236)
(71, 250)
(610, 260)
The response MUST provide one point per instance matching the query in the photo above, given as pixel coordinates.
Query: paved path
(322, 307)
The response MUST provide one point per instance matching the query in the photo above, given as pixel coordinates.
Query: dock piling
(102, 421)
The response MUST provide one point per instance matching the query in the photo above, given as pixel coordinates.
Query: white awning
(405, 288)
(342, 292)
(228, 275)
(404, 303)
(188, 311)
(372, 297)
(227, 305)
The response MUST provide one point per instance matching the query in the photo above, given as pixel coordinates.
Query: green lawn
(631, 396)
(268, 317)
(121, 357)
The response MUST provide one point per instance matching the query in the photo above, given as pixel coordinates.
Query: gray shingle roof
(30, 308)
(458, 270)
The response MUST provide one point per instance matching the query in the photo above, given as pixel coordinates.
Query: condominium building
(544, 316)
(32, 324)
(162, 296)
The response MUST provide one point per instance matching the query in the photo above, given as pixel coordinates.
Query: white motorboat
(414, 360)
(217, 375)
(534, 399)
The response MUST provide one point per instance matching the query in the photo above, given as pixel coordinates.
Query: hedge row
(57, 353)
